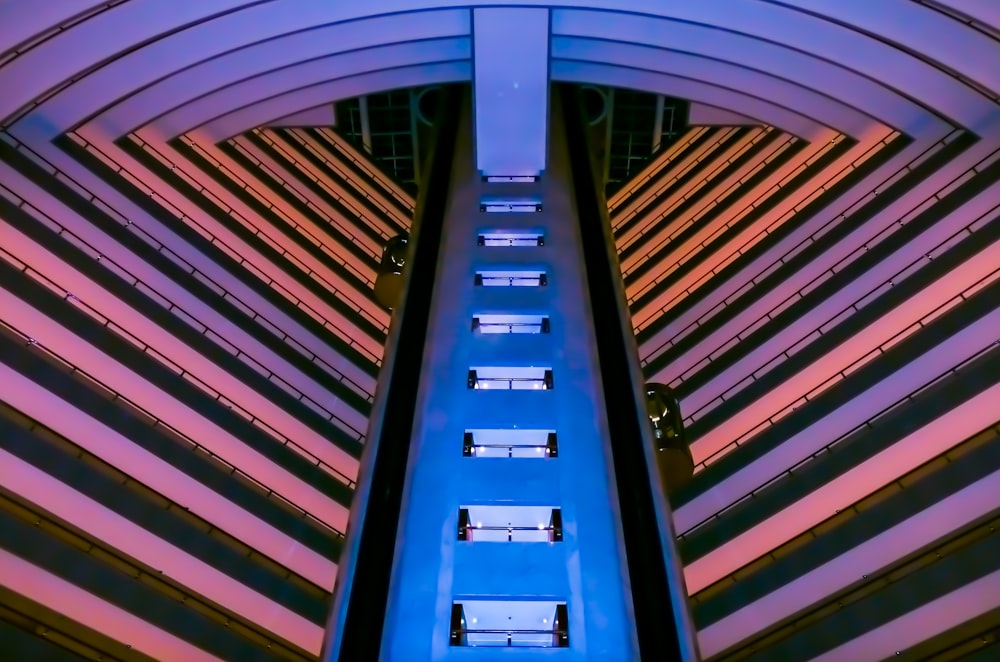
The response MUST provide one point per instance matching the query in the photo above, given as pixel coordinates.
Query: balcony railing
(510, 179)
(510, 382)
(511, 279)
(503, 238)
(509, 624)
(510, 206)
(471, 447)
(530, 324)
(504, 523)
(510, 638)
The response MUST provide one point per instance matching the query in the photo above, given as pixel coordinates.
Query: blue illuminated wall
(585, 571)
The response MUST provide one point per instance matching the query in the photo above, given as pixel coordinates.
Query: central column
(509, 535)
(508, 504)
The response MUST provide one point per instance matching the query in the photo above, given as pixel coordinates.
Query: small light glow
(479, 525)
(541, 527)
(545, 620)
(475, 620)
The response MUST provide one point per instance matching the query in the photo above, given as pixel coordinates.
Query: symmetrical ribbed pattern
(837, 363)
(189, 344)
(190, 354)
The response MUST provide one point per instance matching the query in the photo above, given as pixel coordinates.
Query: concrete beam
(511, 82)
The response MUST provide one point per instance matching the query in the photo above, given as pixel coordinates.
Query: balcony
(510, 205)
(518, 278)
(511, 238)
(530, 444)
(510, 179)
(510, 379)
(506, 523)
(509, 624)
(511, 324)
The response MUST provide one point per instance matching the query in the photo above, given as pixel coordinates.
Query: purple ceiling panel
(261, 88)
(155, 89)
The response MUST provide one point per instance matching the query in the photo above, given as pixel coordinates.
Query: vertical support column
(361, 593)
(659, 597)
(511, 83)
(366, 127)
(658, 123)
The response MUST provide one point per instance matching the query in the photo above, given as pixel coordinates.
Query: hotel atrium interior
(804, 197)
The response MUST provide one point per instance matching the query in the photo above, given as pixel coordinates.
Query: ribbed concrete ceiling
(190, 341)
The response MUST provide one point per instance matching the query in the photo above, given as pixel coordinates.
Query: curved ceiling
(231, 309)
(148, 65)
